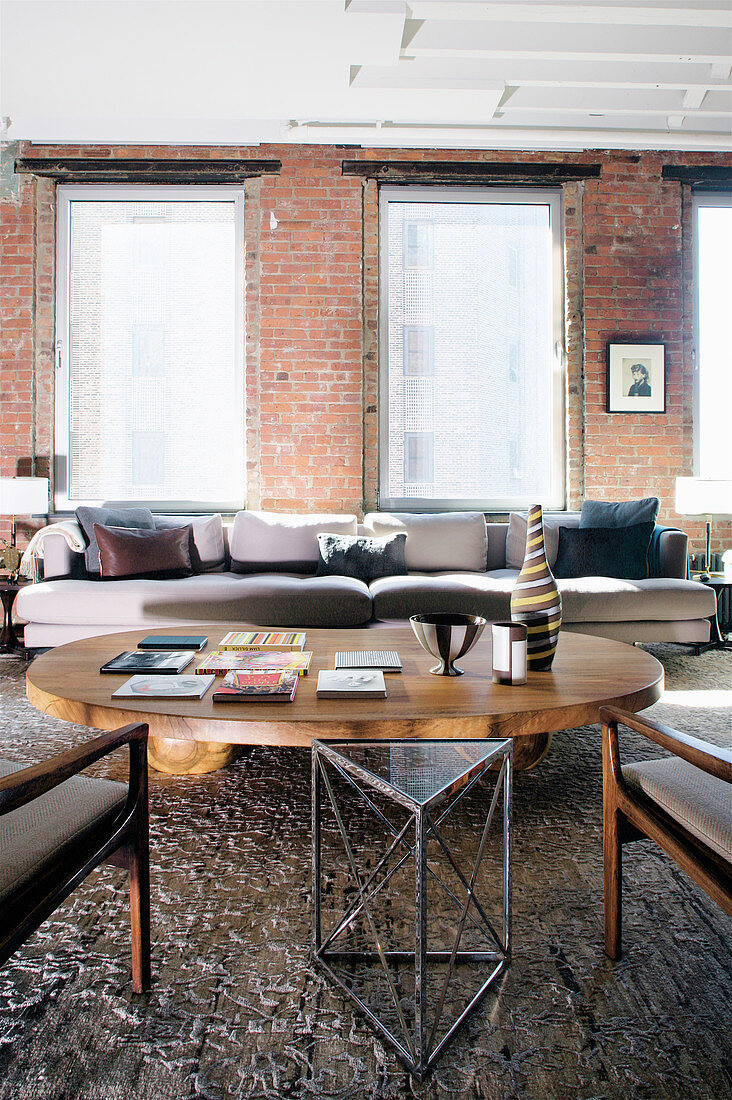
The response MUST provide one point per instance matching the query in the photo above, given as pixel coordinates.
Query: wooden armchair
(56, 826)
(683, 803)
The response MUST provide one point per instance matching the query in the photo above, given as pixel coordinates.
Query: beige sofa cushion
(487, 594)
(436, 541)
(607, 599)
(264, 599)
(516, 537)
(700, 802)
(208, 549)
(282, 542)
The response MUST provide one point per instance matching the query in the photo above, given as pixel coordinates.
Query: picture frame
(636, 378)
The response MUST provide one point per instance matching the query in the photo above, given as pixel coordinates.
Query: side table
(8, 591)
(720, 584)
(415, 935)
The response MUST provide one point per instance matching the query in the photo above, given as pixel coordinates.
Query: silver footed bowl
(447, 636)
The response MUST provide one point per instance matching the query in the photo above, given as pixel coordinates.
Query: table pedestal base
(168, 754)
(176, 757)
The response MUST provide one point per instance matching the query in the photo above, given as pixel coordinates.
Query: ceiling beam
(433, 74)
(715, 14)
(565, 41)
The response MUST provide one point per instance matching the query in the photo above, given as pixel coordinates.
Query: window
(418, 349)
(512, 269)
(419, 449)
(713, 389)
(471, 383)
(150, 396)
(513, 363)
(417, 246)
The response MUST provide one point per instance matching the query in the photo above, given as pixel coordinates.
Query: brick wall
(312, 315)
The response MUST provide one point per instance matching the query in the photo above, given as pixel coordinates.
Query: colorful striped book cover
(220, 661)
(262, 639)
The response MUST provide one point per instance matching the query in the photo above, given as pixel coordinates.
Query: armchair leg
(139, 864)
(613, 884)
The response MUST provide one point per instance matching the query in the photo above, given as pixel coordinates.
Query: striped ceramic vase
(535, 600)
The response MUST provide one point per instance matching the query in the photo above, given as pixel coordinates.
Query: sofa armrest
(59, 560)
(672, 550)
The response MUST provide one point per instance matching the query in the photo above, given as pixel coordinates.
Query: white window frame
(65, 195)
(699, 199)
(551, 197)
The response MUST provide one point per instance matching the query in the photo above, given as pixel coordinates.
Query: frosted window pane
(476, 277)
(155, 393)
(715, 340)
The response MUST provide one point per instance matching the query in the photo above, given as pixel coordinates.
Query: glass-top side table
(403, 919)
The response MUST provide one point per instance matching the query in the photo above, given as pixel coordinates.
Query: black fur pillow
(361, 557)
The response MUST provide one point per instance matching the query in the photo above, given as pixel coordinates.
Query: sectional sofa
(261, 570)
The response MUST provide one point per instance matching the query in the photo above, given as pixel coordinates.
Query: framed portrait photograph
(636, 378)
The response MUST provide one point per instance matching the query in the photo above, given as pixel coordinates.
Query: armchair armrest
(21, 787)
(709, 758)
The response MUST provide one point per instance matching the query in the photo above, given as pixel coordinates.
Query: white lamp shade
(703, 496)
(23, 496)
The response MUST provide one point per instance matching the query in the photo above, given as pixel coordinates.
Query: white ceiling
(402, 73)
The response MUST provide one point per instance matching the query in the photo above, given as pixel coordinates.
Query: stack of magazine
(358, 675)
(255, 665)
(263, 666)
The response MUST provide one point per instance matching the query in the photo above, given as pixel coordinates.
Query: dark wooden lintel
(446, 171)
(704, 174)
(119, 170)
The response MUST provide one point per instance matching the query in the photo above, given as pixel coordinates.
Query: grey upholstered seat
(35, 834)
(701, 803)
(682, 802)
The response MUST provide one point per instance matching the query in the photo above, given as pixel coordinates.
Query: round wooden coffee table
(195, 736)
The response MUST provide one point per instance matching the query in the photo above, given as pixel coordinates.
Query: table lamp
(21, 496)
(704, 496)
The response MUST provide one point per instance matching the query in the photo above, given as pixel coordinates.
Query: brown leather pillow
(137, 552)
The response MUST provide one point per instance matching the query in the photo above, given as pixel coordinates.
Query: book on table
(357, 684)
(243, 640)
(387, 660)
(221, 661)
(164, 687)
(256, 686)
(155, 662)
(173, 641)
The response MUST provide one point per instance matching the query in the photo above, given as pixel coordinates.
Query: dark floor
(237, 1011)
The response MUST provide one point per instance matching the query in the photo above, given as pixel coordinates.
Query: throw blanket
(30, 564)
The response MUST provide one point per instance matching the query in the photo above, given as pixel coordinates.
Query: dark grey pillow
(622, 513)
(108, 517)
(620, 552)
(361, 557)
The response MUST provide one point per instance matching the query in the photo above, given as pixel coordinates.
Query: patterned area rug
(237, 1011)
